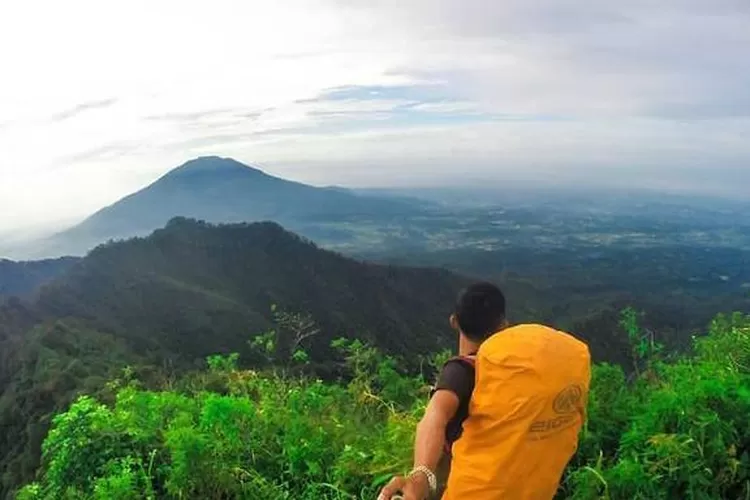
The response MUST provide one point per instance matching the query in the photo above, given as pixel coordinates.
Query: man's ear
(454, 322)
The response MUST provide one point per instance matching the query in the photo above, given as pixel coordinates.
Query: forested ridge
(162, 303)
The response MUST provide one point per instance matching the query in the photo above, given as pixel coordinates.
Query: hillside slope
(22, 278)
(166, 301)
(220, 190)
(194, 279)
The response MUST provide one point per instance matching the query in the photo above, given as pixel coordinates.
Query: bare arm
(430, 438)
(428, 446)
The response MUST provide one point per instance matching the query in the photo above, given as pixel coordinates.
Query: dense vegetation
(676, 428)
(165, 302)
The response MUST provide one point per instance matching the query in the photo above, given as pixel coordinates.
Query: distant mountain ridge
(220, 190)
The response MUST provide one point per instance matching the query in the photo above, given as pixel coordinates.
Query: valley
(543, 227)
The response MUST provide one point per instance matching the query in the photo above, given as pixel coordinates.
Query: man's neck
(467, 347)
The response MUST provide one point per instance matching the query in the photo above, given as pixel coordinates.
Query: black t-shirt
(458, 377)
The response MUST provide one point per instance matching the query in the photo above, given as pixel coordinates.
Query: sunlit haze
(100, 98)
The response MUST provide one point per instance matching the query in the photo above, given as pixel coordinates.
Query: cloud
(82, 108)
(589, 59)
(446, 107)
(100, 98)
(192, 116)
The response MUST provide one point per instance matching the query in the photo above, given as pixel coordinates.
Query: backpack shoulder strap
(467, 360)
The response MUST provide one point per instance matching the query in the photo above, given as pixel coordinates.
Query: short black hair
(480, 310)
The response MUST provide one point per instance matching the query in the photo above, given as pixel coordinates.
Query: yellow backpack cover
(527, 408)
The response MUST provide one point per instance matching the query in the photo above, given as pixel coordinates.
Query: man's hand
(428, 446)
(413, 488)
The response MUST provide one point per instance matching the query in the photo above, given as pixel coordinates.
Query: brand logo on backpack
(565, 405)
(568, 400)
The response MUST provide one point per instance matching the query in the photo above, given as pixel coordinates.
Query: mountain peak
(220, 190)
(213, 165)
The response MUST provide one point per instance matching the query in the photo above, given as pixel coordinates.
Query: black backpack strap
(470, 360)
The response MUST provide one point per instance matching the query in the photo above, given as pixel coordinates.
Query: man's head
(480, 311)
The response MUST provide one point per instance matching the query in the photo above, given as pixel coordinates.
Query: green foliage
(728, 344)
(265, 344)
(677, 430)
(219, 363)
(283, 345)
(378, 377)
(644, 348)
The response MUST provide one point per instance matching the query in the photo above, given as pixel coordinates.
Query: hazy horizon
(472, 193)
(100, 100)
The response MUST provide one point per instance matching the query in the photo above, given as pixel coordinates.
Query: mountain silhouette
(220, 190)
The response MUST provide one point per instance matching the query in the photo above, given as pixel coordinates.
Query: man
(479, 313)
(515, 421)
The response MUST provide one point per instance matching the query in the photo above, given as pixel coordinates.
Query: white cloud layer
(98, 98)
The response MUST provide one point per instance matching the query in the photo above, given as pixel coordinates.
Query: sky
(98, 99)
